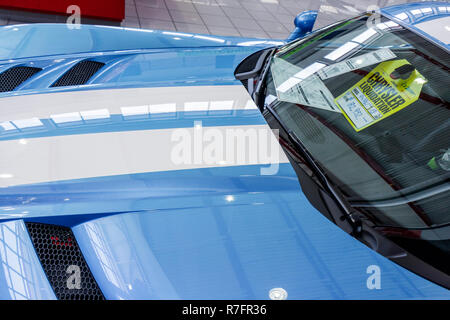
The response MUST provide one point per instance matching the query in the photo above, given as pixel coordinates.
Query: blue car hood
(104, 159)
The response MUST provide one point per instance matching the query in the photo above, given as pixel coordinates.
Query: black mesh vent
(13, 77)
(58, 252)
(79, 74)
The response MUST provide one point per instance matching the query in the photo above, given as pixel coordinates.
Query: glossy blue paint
(304, 23)
(120, 123)
(143, 192)
(411, 14)
(211, 233)
(38, 40)
(238, 250)
(21, 274)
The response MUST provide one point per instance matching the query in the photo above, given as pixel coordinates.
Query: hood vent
(79, 74)
(63, 262)
(13, 77)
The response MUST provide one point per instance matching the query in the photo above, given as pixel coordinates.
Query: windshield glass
(370, 101)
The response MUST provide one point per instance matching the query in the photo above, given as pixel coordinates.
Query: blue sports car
(146, 164)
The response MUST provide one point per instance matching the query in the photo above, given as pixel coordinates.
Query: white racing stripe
(113, 153)
(98, 104)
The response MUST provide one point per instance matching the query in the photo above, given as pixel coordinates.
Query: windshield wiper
(349, 212)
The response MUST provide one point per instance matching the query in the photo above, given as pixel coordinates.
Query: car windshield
(369, 99)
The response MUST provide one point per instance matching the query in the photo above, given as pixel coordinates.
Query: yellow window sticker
(387, 89)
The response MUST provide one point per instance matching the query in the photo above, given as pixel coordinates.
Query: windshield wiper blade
(404, 199)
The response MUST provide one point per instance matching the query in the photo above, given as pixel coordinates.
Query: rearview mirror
(304, 23)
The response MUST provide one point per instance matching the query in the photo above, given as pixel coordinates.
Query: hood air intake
(63, 262)
(79, 74)
(13, 77)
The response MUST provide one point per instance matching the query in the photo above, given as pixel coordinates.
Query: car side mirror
(250, 66)
(304, 23)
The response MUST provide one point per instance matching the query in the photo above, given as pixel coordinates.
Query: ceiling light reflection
(134, 111)
(402, 16)
(229, 198)
(66, 117)
(341, 51)
(177, 34)
(7, 125)
(209, 38)
(300, 76)
(28, 123)
(366, 35)
(163, 108)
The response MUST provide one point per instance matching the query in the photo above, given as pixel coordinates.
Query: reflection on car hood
(99, 158)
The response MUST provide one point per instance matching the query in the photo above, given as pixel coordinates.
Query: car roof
(429, 19)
